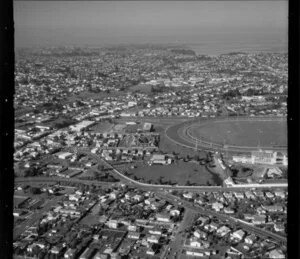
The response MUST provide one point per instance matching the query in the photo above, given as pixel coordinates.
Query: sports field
(247, 133)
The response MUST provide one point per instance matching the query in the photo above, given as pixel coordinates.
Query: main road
(132, 182)
(247, 226)
(159, 190)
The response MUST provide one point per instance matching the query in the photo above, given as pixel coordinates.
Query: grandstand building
(266, 157)
(263, 157)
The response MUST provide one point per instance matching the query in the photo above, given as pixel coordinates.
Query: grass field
(141, 87)
(168, 146)
(90, 95)
(102, 127)
(178, 173)
(243, 133)
(92, 218)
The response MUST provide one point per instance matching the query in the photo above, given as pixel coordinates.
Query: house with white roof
(223, 231)
(239, 234)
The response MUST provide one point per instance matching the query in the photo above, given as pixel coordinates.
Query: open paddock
(180, 173)
(102, 127)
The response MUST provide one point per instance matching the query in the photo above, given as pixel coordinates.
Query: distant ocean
(216, 48)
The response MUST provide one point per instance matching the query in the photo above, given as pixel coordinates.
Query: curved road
(175, 199)
(130, 181)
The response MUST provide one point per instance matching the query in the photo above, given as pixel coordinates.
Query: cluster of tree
(23, 81)
(158, 88)
(226, 71)
(35, 190)
(64, 123)
(162, 180)
(51, 106)
(183, 51)
(32, 190)
(189, 183)
(105, 177)
(234, 53)
(70, 53)
(252, 92)
(32, 171)
(240, 172)
(231, 94)
(277, 99)
(93, 89)
(204, 57)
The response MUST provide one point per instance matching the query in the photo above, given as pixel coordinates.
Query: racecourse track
(182, 134)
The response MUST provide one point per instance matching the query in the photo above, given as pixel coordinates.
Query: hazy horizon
(231, 23)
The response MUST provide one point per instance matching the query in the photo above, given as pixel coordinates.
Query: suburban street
(160, 191)
(245, 226)
(176, 245)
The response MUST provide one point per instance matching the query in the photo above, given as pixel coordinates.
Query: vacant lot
(180, 173)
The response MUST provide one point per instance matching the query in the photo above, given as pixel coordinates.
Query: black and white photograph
(150, 129)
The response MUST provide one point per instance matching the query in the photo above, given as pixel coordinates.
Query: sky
(41, 23)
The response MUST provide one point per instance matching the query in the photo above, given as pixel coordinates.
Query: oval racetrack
(238, 135)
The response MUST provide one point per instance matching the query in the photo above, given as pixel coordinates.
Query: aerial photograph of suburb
(150, 129)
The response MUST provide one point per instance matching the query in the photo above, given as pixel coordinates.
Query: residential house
(250, 239)
(229, 210)
(239, 234)
(195, 242)
(249, 195)
(217, 206)
(70, 253)
(163, 217)
(259, 219)
(194, 253)
(153, 239)
(279, 227)
(133, 235)
(223, 231)
(200, 234)
(276, 254)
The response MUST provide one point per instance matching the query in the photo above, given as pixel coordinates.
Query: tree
(101, 168)
(231, 94)
(35, 190)
(33, 171)
(96, 175)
